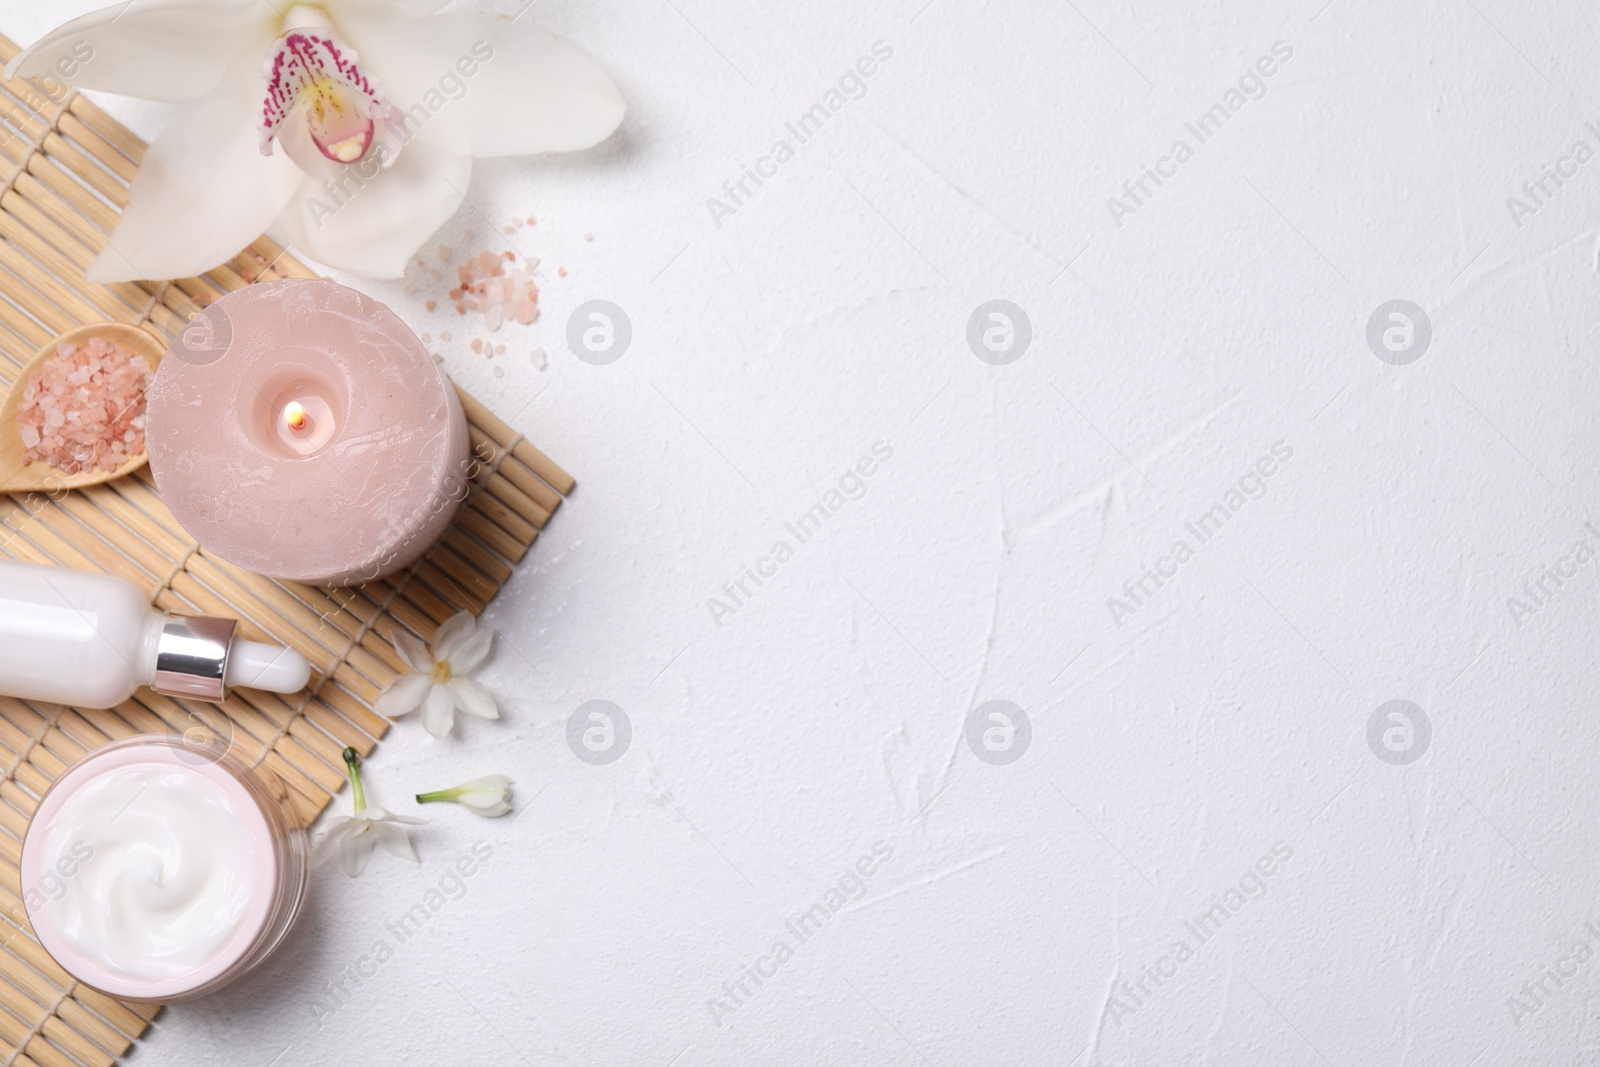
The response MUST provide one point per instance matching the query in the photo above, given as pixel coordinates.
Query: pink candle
(299, 429)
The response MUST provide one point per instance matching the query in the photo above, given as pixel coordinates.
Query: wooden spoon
(39, 476)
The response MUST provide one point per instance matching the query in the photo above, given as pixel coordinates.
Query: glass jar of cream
(158, 869)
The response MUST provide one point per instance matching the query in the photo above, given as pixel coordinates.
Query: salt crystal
(83, 408)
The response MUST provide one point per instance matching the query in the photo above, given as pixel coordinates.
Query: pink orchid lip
(341, 132)
(312, 78)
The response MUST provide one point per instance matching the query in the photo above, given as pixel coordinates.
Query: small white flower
(353, 836)
(488, 796)
(438, 681)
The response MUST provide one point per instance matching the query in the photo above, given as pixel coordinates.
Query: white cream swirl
(149, 870)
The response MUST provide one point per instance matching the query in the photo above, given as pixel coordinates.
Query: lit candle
(305, 422)
(299, 429)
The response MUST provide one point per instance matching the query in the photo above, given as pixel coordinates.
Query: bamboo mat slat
(65, 167)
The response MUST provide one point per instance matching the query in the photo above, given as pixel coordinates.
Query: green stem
(442, 794)
(352, 763)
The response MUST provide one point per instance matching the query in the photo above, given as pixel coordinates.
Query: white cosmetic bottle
(89, 640)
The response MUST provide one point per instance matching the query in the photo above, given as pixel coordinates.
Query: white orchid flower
(378, 107)
(489, 796)
(352, 837)
(439, 681)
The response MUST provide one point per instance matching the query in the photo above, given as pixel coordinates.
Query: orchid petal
(413, 651)
(320, 85)
(470, 651)
(373, 224)
(453, 630)
(388, 138)
(527, 90)
(473, 698)
(410, 9)
(204, 191)
(403, 695)
(175, 51)
(438, 711)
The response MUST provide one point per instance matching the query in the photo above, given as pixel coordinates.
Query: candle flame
(295, 415)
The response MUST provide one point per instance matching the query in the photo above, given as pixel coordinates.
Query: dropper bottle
(90, 640)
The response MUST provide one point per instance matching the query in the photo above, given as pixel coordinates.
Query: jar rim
(280, 846)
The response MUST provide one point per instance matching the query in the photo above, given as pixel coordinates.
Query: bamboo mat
(67, 167)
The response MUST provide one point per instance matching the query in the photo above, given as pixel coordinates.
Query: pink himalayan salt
(83, 408)
(501, 292)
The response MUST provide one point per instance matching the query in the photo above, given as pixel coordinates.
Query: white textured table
(1199, 772)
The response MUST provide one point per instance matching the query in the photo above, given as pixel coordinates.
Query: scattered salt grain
(83, 408)
(540, 360)
(499, 287)
(253, 265)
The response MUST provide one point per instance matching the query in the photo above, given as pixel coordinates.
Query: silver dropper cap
(192, 657)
